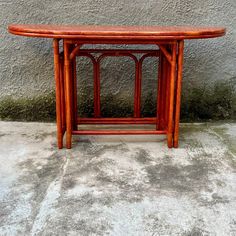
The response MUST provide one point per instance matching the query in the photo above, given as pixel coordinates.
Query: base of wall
(199, 104)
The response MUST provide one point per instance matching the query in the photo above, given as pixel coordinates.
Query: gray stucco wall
(26, 69)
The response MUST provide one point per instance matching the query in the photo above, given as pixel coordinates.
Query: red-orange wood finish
(96, 32)
(117, 132)
(68, 94)
(118, 121)
(170, 45)
(58, 92)
(178, 91)
(62, 98)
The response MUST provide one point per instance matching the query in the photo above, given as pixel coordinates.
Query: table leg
(160, 90)
(167, 92)
(74, 92)
(63, 120)
(178, 91)
(171, 88)
(58, 93)
(68, 96)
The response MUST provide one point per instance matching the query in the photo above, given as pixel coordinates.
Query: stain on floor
(117, 185)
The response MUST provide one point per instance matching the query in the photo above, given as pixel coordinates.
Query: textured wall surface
(26, 68)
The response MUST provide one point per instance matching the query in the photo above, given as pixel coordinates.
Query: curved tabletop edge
(119, 32)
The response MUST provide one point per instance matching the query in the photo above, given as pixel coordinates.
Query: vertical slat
(63, 121)
(166, 94)
(68, 95)
(74, 84)
(97, 100)
(162, 102)
(171, 97)
(178, 91)
(70, 48)
(159, 92)
(137, 89)
(58, 93)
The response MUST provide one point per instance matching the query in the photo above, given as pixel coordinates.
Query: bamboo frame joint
(166, 53)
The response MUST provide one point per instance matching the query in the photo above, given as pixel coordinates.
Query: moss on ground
(200, 104)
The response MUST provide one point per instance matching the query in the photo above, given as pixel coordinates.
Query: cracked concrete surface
(113, 185)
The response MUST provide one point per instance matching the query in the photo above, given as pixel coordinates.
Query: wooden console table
(170, 46)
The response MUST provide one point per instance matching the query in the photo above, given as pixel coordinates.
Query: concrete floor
(113, 185)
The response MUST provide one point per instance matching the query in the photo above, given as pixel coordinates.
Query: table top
(116, 32)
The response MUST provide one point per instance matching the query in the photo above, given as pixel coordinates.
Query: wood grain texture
(116, 32)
